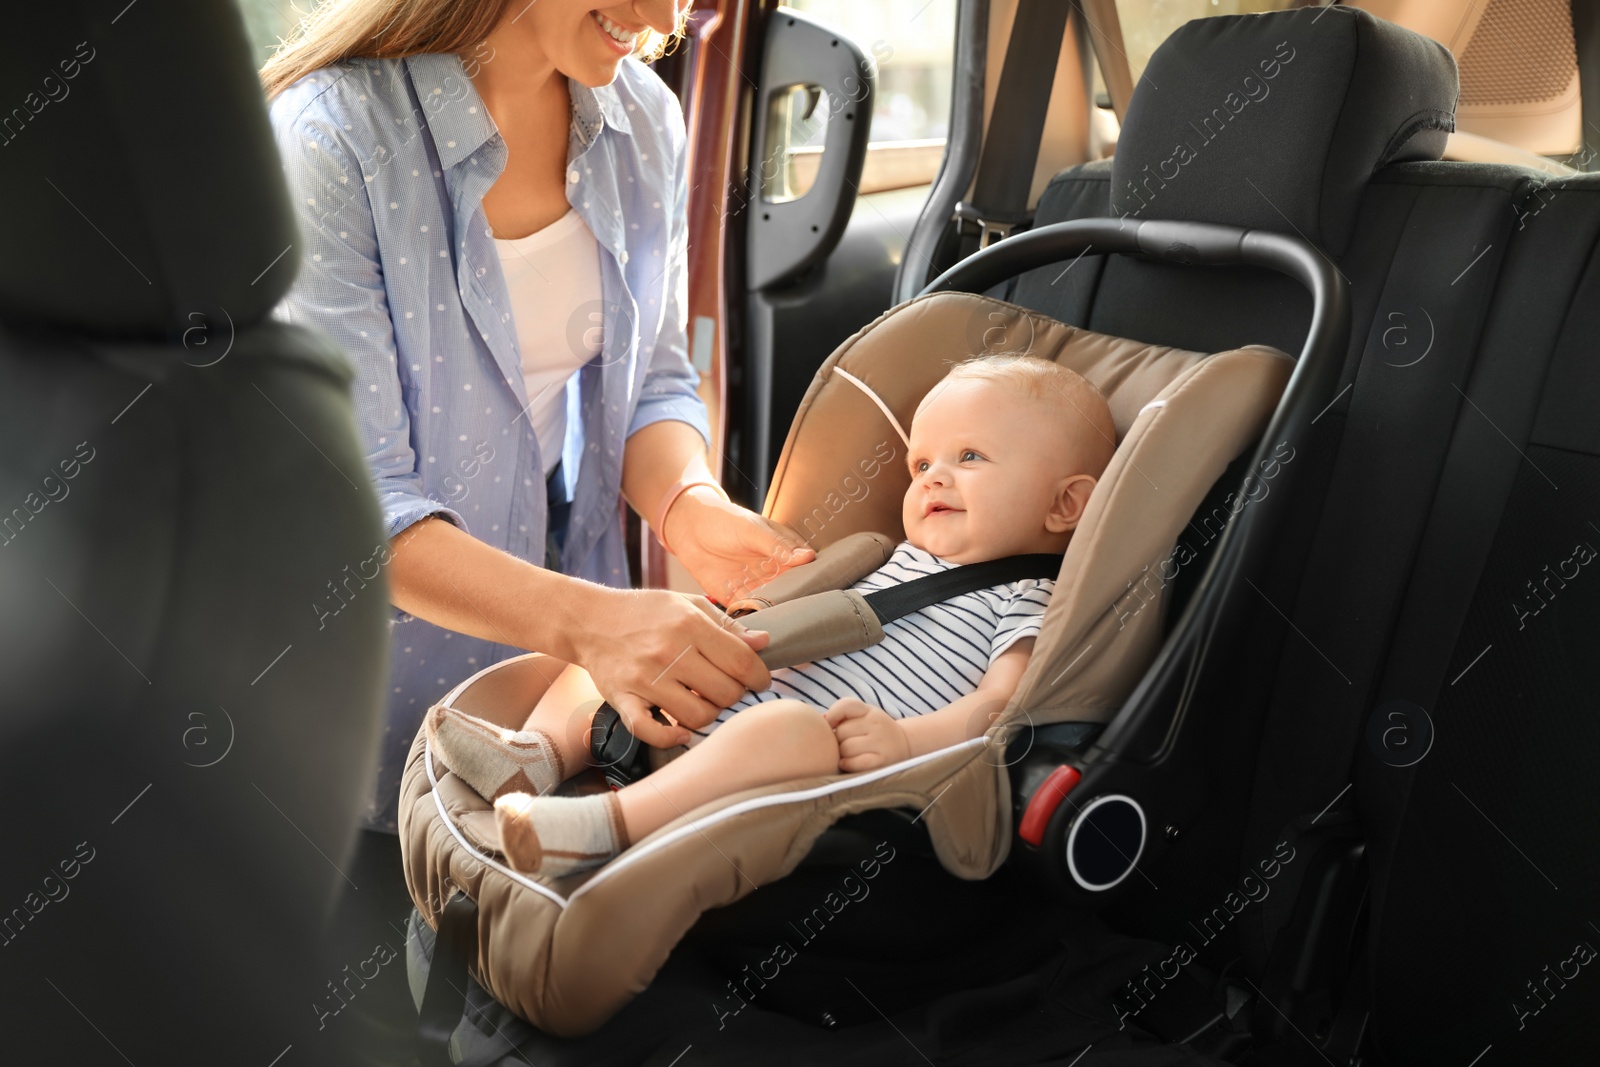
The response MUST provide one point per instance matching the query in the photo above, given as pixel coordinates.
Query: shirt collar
(460, 123)
(604, 101)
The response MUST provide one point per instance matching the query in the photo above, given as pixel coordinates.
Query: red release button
(1044, 802)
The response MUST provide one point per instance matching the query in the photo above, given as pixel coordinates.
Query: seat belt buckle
(990, 229)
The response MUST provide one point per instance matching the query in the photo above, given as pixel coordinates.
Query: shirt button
(572, 176)
(623, 257)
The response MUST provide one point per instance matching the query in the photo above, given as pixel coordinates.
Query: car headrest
(1276, 121)
(143, 189)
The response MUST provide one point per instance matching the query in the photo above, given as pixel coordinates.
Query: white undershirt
(553, 280)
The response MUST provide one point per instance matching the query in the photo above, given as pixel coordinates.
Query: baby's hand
(868, 737)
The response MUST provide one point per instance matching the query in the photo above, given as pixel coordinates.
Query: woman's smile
(619, 39)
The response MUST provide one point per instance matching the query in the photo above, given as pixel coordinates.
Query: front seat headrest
(1276, 121)
(140, 177)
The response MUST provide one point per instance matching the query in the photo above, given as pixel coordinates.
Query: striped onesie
(927, 659)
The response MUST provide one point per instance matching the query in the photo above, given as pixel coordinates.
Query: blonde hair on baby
(1080, 400)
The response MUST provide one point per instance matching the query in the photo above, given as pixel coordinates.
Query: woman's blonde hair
(338, 30)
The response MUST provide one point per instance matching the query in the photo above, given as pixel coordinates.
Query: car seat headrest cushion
(1276, 121)
(843, 467)
(145, 193)
(1106, 617)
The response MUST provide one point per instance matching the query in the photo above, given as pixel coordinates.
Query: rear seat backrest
(1279, 122)
(1468, 397)
(1486, 845)
(206, 485)
(1420, 243)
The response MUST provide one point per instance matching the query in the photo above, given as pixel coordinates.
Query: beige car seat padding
(566, 954)
(1210, 409)
(1107, 612)
(853, 475)
(596, 928)
(814, 627)
(846, 560)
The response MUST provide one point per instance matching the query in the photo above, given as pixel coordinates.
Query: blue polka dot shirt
(387, 163)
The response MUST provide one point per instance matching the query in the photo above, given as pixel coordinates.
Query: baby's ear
(1066, 509)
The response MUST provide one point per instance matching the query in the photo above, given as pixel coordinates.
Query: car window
(912, 43)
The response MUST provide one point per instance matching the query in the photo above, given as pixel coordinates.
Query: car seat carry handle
(1174, 241)
(1145, 769)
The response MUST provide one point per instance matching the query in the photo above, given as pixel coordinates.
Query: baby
(1003, 455)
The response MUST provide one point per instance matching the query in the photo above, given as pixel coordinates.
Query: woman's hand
(650, 647)
(728, 549)
(868, 737)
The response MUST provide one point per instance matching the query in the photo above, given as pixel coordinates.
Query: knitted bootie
(491, 759)
(555, 836)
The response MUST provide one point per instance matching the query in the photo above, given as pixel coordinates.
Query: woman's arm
(642, 647)
(870, 737)
(445, 575)
(670, 430)
(726, 548)
(655, 458)
(339, 289)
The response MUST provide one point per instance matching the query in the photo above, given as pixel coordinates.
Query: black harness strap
(900, 600)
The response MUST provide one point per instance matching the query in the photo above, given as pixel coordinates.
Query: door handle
(784, 238)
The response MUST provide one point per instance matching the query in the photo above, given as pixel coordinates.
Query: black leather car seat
(1423, 732)
(193, 644)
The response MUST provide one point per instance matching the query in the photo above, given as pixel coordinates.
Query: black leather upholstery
(139, 169)
(1460, 474)
(189, 730)
(1278, 122)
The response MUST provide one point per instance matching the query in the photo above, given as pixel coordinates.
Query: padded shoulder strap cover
(837, 621)
(837, 566)
(814, 627)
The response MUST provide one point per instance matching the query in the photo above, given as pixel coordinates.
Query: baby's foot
(491, 759)
(556, 836)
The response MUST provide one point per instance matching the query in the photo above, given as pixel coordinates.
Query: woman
(492, 198)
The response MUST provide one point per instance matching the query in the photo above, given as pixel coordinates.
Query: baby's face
(994, 473)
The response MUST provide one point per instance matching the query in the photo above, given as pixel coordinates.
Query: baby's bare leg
(564, 714)
(768, 743)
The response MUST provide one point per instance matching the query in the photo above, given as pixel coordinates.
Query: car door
(815, 133)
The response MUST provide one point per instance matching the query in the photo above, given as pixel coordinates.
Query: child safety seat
(810, 614)
(566, 953)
